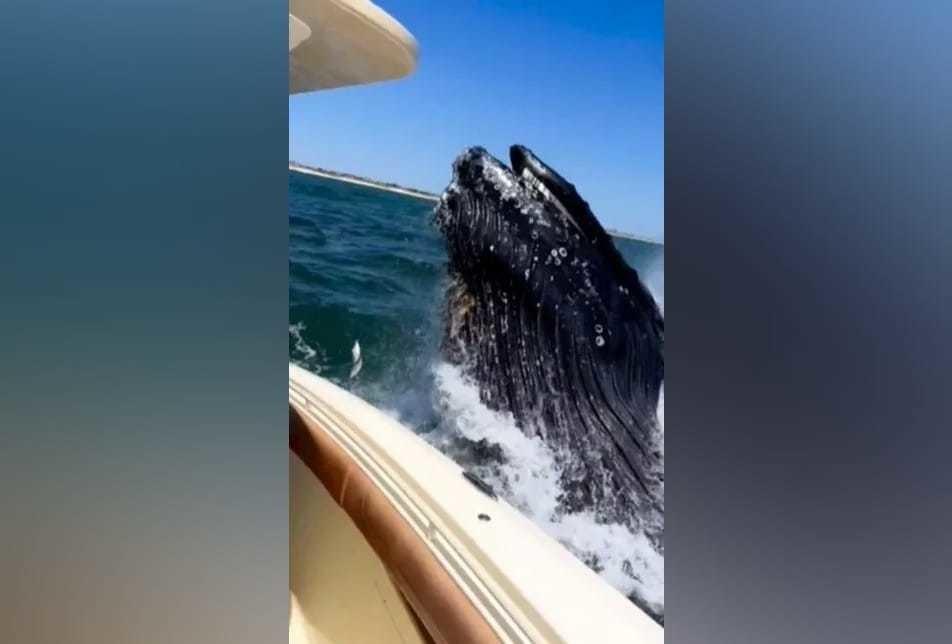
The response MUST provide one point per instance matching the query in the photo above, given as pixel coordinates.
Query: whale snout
(486, 210)
(523, 223)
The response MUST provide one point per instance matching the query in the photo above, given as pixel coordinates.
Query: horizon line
(348, 177)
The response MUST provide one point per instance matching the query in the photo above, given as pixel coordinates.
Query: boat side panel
(340, 592)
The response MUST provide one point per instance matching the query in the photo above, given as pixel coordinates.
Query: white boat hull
(522, 585)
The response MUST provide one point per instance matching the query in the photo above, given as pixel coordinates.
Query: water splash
(526, 473)
(302, 353)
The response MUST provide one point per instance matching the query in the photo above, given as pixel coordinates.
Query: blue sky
(581, 83)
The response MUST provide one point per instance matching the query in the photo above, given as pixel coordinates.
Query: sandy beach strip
(360, 182)
(633, 237)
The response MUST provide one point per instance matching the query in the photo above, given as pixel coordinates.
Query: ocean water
(367, 266)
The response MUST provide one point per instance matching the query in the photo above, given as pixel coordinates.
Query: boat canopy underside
(336, 43)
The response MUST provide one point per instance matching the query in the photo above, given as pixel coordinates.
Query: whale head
(523, 240)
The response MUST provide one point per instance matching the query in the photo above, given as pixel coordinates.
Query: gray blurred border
(808, 235)
(143, 267)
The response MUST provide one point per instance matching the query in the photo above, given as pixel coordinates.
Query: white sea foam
(303, 354)
(529, 479)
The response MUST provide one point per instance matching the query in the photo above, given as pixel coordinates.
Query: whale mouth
(549, 184)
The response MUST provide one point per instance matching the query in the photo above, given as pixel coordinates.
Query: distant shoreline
(644, 240)
(361, 181)
(413, 192)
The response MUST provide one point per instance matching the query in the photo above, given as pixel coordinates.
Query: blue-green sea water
(367, 266)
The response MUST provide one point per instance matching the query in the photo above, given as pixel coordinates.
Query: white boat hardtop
(336, 43)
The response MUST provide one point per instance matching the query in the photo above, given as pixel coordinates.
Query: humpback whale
(553, 326)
